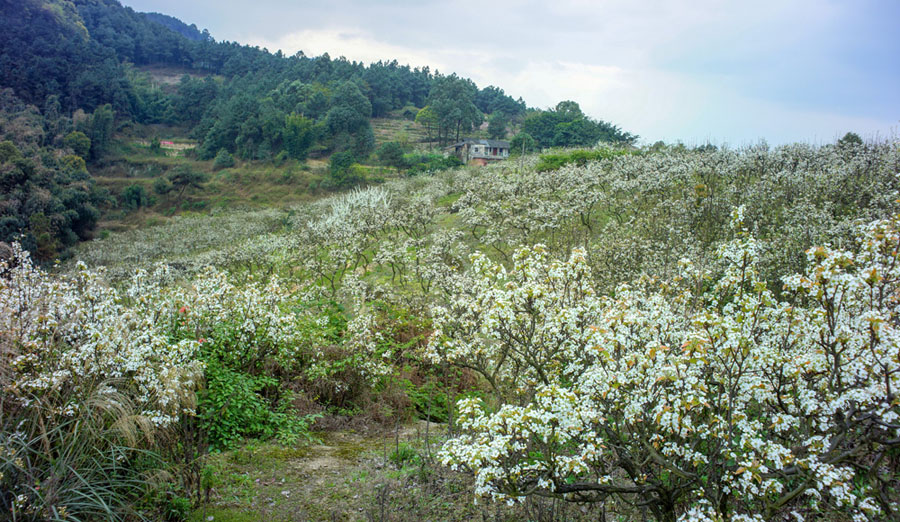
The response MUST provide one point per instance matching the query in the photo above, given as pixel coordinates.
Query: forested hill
(188, 31)
(73, 73)
(78, 50)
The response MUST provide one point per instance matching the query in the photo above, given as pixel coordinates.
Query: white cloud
(351, 43)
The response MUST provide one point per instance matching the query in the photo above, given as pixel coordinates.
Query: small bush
(78, 142)
(223, 160)
(391, 154)
(342, 170)
(578, 157)
(135, 196)
(404, 454)
(429, 162)
(162, 186)
(240, 399)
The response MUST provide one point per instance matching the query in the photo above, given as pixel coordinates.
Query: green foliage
(347, 122)
(492, 100)
(9, 152)
(410, 112)
(78, 142)
(223, 160)
(497, 126)
(522, 143)
(419, 163)
(452, 99)
(135, 196)
(177, 508)
(100, 130)
(403, 455)
(72, 165)
(428, 119)
(429, 399)
(299, 135)
(341, 170)
(183, 177)
(48, 200)
(577, 157)
(567, 126)
(851, 139)
(242, 400)
(162, 186)
(350, 97)
(233, 406)
(391, 154)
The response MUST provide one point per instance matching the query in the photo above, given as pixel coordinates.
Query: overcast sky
(691, 70)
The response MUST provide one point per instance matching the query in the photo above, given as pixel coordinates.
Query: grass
(392, 129)
(249, 184)
(225, 514)
(351, 476)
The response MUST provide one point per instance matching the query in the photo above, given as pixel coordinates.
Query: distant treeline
(73, 66)
(81, 51)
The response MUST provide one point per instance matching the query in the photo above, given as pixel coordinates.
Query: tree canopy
(567, 126)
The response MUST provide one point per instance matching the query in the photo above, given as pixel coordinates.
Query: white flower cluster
(706, 400)
(67, 337)
(217, 237)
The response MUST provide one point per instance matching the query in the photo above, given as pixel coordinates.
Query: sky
(696, 71)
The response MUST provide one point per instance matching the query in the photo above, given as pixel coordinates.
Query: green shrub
(428, 399)
(224, 160)
(342, 170)
(232, 406)
(236, 405)
(578, 157)
(391, 154)
(403, 454)
(162, 186)
(429, 162)
(135, 196)
(280, 158)
(241, 398)
(78, 142)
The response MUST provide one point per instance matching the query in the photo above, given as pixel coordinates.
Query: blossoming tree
(692, 398)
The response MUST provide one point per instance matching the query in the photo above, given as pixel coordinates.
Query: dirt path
(382, 477)
(346, 476)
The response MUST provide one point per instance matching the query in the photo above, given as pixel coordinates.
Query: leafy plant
(223, 160)
(576, 157)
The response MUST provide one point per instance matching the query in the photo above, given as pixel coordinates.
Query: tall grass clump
(89, 384)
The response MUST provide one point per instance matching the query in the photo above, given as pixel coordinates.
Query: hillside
(237, 286)
(445, 298)
(117, 77)
(188, 31)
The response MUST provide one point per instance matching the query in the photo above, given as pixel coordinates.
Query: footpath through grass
(383, 476)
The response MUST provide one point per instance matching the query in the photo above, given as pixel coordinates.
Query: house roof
(490, 143)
